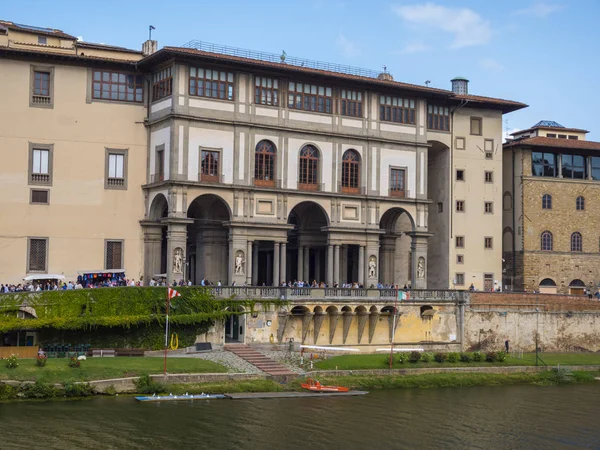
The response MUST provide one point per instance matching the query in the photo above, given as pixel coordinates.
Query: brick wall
(546, 302)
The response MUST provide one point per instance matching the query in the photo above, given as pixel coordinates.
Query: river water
(515, 417)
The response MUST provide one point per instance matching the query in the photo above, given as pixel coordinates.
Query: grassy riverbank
(381, 361)
(57, 370)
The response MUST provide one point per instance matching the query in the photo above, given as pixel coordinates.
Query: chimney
(460, 85)
(149, 47)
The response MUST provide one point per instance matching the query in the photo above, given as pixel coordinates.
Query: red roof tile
(36, 30)
(541, 141)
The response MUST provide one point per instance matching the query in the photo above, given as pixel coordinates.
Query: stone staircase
(260, 361)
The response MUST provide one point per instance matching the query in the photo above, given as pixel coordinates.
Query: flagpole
(166, 334)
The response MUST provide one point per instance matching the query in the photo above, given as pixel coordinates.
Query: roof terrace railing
(283, 58)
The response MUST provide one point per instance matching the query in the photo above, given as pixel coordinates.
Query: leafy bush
(78, 389)
(501, 355)
(414, 357)
(7, 391)
(403, 357)
(110, 390)
(477, 356)
(465, 357)
(491, 356)
(453, 357)
(38, 390)
(146, 385)
(426, 357)
(41, 360)
(440, 357)
(12, 362)
(74, 362)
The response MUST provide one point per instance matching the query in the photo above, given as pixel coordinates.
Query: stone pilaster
(152, 249)
(418, 247)
(176, 248)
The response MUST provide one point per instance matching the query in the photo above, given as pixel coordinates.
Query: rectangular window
(476, 126)
(440, 207)
(488, 207)
(37, 255)
(488, 147)
(573, 137)
(398, 183)
(116, 169)
(489, 177)
(595, 165)
(460, 175)
(459, 279)
(573, 166)
(40, 164)
(160, 165)
(162, 83)
(41, 87)
(488, 242)
(211, 83)
(396, 109)
(118, 86)
(266, 91)
(42, 40)
(551, 135)
(460, 206)
(460, 241)
(309, 97)
(351, 103)
(113, 255)
(40, 197)
(459, 143)
(562, 136)
(438, 118)
(460, 259)
(543, 164)
(209, 166)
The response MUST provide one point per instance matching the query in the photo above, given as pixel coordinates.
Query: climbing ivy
(84, 309)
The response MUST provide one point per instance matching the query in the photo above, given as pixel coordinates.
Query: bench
(102, 353)
(130, 352)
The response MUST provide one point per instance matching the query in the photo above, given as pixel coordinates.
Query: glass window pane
(192, 71)
(200, 73)
(230, 77)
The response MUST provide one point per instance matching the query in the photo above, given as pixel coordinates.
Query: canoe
(316, 386)
(172, 398)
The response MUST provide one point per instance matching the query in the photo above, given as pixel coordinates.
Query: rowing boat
(171, 397)
(316, 386)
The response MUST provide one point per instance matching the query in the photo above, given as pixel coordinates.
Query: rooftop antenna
(427, 82)
(150, 28)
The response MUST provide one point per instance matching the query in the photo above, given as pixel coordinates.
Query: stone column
(336, 264)
(306, 264)
(344, 265)
(300, 273)
(276, 264)
(419, 255)
(152, 249)
(255, 264)
(249, 264)
(361, 264)
(330, 265)
(318, 265)
(283, 269)
(559, 165)
(176, 248)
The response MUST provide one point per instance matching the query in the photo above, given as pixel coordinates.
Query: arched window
(264, 163)
(547, 201)
(351, 172)
(580, 203)
(576, 242)
(547, 243)
(308, 177)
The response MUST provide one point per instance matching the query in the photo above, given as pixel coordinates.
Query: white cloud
(80, 38)
(347, 47)
(467, 26)
(491, 64)
(506, 134)
(539, 9)
(413, 47)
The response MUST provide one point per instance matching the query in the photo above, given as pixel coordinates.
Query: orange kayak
(313, 385)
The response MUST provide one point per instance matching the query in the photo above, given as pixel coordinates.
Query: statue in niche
(421, 268)
(239, 263)
(372, 267)
(178, 260)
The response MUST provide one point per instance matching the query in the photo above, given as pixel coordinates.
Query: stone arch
(577, 287)
(208, 239)
(314, 184)
(395, 257)
(159, 208)
(318, 310)
(373, 309)
(388, 309)
(507, 201)
(299, 311)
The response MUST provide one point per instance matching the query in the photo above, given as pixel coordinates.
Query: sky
(544, 53)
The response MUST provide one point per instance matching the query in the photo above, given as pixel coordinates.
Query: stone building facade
(551, 213)
(241, 170)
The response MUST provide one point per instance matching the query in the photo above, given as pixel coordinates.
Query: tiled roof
(491, 100)
(541, 141)
(560, 129)
(65, 55)
(83, 44)
(36, 30)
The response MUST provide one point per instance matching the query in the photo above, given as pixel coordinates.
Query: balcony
(41, 100)
(39, 178)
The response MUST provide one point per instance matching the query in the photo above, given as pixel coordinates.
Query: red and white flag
(173, 293)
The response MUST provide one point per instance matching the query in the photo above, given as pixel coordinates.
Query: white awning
(100, 272)
(45, 276)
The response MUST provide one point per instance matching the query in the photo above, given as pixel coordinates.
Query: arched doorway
(159, 209)
(307, 243)
(576, 287)
(395, 255)
(208, 236)
(548, 286)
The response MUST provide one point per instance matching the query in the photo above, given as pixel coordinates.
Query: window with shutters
(37, 255)
(116, 169)
(40, 164)
(113, 255)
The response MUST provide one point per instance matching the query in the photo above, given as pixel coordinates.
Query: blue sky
(541, 52)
